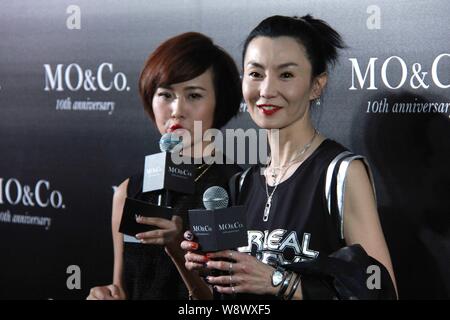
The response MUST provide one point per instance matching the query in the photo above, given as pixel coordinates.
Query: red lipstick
(174, 127)
(268, 109)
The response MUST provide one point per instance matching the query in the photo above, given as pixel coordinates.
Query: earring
(318, 101)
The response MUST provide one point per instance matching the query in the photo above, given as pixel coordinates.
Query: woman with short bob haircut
(187, 78)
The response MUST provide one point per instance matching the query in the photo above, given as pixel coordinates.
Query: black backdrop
(72, 126)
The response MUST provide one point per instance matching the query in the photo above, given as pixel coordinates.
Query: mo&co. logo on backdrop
(75, 78)
(13, 192)
(410, 76)
(16, 194)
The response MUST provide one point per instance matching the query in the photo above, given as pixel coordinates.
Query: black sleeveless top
(148, 271)
(304, 230)
(299, 226)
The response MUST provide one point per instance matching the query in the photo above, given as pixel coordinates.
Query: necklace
(203, 172)
(201, 166)
(274, 171)
(269, 197)
(277, 181)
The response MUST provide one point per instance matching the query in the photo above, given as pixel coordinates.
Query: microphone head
(169, 141)
(215, 198)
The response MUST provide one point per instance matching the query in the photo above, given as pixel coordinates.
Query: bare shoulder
(121, 190)
(360, 202)
(358, 181)
(357, 171)
(120, 194)
(361, 222)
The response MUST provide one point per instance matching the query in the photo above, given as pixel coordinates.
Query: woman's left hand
(169, 234)
(246, 274)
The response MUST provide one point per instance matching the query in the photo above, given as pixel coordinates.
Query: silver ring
(231, 254)
(188, 235)
(230, 268)
(231, 280)
(233, 290)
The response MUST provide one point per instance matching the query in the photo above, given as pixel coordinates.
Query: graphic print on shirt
(279, 246)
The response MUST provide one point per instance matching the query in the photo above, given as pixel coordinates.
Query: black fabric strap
(236, 185)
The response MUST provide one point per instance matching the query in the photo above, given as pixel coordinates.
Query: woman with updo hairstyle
(313, 225)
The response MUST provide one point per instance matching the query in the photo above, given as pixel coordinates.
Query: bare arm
(115, 290)
(197, 287)
(117, 209)
(361, 223)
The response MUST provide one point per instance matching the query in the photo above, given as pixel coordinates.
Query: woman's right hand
(111, 292)
(193, 261)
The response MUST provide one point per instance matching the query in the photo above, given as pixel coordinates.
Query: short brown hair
(185, 57)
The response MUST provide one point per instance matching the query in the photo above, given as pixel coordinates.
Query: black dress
(149, 273)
